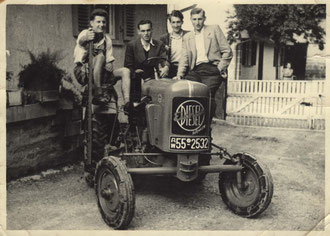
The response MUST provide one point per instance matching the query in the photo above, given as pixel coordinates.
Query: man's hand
(178, 77)
(224, 74)
(163, 71)
(90, 34)
(128, 107)
(138, 71)
(223, 70)
(109, 66)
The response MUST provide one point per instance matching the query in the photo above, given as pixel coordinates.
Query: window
(129, 22)
(121, 20)
(249, 53)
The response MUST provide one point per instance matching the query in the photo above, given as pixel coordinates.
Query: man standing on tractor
(103, 59)
(173, 41)
(137, 53)
(206, 55)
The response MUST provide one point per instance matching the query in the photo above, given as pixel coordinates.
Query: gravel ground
(61, 200)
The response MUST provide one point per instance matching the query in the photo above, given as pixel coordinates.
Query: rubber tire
(101, 128)
(116, 169)
(234, 198)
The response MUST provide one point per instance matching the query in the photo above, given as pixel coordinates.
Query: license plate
(193, 143)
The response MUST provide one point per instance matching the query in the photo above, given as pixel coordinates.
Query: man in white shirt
(206, 55)
(173, 41)
(102, 58)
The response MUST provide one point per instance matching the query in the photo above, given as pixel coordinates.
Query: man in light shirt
(103, 59)
(173, 41)
(206, 55)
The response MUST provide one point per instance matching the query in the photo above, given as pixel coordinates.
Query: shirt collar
(201, 32)
(147, 45)
(176, 37)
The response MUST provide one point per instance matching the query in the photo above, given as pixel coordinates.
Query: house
(257, 58)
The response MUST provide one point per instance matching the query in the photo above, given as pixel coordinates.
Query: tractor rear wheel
(101, 129)
(115, 192)
(256, 190)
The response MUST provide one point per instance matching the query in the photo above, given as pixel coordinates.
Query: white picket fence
(298, 104)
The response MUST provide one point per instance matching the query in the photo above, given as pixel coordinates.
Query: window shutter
(282, 55)
(275, 63)
(243, 54)
(254, 53)
(80, 18)
(129, 22)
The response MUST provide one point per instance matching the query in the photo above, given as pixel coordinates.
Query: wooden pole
(89, 104)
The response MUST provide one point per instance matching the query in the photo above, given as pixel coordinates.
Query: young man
(102, 58)
(206, 55)
(173, 41)
(138, 51)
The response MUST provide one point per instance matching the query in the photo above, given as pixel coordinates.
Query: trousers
(209, 75)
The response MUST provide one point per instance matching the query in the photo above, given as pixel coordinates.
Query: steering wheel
(154, 61)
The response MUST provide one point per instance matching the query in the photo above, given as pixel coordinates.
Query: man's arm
(225, 50)
(109, 59)
(85, 36)
(165, 67)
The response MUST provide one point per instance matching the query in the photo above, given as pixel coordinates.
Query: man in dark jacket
(137, 53)
(173, 41)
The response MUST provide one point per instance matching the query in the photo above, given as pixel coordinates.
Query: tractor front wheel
(115, 192)
(250, 196)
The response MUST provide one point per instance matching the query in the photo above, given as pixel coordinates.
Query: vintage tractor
(168, 133)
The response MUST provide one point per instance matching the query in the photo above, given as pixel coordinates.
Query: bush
(42, 73)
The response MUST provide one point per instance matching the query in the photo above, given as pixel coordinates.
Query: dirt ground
(61, 200)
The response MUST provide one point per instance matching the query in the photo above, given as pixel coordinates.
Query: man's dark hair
(175, 13)
(197, 11)
(99, 12)
(144, 22)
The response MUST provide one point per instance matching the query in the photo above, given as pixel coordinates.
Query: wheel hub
(109, 192)
(106, 193)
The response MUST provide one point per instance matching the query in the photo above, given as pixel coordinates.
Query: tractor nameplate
(189, 116)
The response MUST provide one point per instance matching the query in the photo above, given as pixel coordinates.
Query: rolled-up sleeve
(109, 53)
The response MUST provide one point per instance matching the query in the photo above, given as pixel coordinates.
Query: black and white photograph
(164, 116)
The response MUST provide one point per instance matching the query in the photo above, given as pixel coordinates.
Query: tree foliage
(279, 22)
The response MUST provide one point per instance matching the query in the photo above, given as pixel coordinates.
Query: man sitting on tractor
(138, 52)
(103, 71)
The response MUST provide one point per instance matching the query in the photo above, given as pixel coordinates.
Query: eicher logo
(190, 115)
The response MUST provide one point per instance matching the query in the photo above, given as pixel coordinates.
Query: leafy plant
(42, 73)
(280, 22)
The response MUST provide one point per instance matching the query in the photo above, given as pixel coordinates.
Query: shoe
(101, 99)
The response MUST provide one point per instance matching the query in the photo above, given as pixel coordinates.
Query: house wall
(248, 72)
(269, 71)
(37, 28)
(40, 27)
